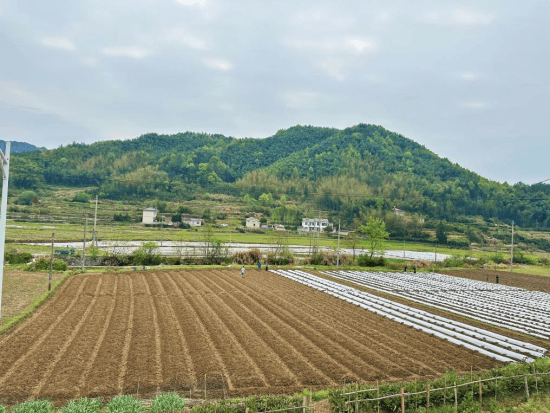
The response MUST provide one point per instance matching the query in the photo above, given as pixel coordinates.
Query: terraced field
(209, 331)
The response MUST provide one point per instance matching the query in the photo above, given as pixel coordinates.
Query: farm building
(149, 215)
(315, 224)
(252, 223)
(279, 227)
(193, 221)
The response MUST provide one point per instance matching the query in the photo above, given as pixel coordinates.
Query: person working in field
(242, 272)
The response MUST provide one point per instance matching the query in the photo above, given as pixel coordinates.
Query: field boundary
(13, 322)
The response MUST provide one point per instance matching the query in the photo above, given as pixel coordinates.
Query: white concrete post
(5, 161)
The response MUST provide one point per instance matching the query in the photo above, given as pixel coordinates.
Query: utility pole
(84, 244)
(95, 220)
(403, 248)
(5, 164)
(512, 250)
(435, 260)
(338, 248)
(51, 267)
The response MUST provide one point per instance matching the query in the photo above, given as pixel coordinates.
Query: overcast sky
(469, 80)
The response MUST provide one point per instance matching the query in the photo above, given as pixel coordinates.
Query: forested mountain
(350, 172)
(18, 146)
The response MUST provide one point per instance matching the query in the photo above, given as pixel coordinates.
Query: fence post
(356, 402)
(378, 395)
(526, 387)
(402, 400)
(496, 386)
(480, 394)
(456, 397)
(304, 405)
(246, 410)
(428, 399)
(445, 392)
(536, 382)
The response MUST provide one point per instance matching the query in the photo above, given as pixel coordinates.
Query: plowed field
(526, 281)
(197, 331)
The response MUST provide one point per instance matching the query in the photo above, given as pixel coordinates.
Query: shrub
(83, 405)
(59, 265)
(43, 264)
(184, 225)
(16, 257)
(147, 254)
(27, 198)
(82, 197)
(248, 257)
(126, 404)
(366, 261)
(285, 258)
(167, 402)
(121, 217)
(34, 406)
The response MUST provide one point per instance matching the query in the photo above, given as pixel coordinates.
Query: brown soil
(209, 333)
(526, 281)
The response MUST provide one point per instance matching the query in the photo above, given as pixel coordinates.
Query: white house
(252, 223)
(194, 222)
(149, 215)
(316, 224)
(279, 227)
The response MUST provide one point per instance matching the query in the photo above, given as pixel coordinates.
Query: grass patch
(34, 406)
(10, 323)
(167, 402)
(125, 404)
(83, 405)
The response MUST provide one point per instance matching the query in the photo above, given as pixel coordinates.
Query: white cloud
(200, 3)
(362, 44)
(465, 17)
(59, 43)
(334, 68)
(15, 95)
(333, 45)
(301, 100)
(178, 35)
(132, 52)
(475, 105)
(457, 17)
(468, 76)
(219, 64)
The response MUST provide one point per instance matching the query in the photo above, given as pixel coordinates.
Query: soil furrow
(244, 372)
(108, 303)
(206, 360)
(265, 324)
(127, 337)
(369, 335)
(404, 340)
(102, 376)
(45, 316)
(318, 349)
(177, 364)
(273, 368)
(12, 362)
(68, 341)
(158, 348)
(141, 368)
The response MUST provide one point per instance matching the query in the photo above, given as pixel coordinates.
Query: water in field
(190, 249)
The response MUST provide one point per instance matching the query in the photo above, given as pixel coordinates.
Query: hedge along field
(209, 333)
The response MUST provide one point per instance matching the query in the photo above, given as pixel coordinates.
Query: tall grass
(167, 402)
(83, 405)
(34, 406)
(125, 404)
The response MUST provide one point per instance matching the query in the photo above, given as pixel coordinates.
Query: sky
(469, 80)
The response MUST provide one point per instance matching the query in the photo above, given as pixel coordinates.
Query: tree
(441, 233)
(27, 198)
(376, 233)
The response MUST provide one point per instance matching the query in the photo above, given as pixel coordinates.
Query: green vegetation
(34, 406)
(167, 402)
(124, 404)
(83, 405)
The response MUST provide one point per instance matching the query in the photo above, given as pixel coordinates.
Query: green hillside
(351, 172)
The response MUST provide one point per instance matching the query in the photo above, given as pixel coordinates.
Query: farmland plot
(513, 308)
(209, 331)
